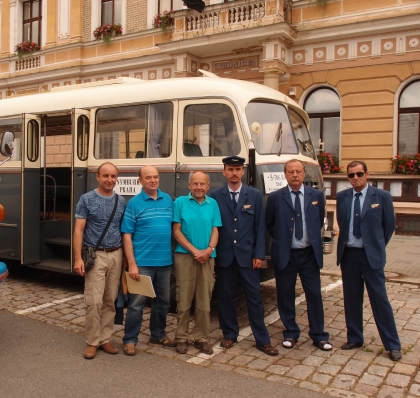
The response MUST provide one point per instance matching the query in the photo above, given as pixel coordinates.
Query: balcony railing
(26, 63)
(226, 17)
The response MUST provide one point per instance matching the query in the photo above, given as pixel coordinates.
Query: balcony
(27, 63)
(229, 17)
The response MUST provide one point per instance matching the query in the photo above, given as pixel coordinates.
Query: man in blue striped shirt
(146, 230)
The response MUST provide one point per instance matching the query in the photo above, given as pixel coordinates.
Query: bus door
(208, 131)
(30, 202)
(80, 150)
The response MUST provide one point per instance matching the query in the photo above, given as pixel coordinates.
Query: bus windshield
(270, 128)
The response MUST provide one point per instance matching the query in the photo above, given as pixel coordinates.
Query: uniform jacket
(242, 233)
(280, 216)
(377, 224)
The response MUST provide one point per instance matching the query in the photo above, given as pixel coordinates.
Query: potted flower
(164, 20)
(406, 164)
(107, 31)
(26, 48)
(328, 162)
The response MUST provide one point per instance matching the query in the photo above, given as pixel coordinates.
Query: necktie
(234, 199)
(298, 217)
(356, 217)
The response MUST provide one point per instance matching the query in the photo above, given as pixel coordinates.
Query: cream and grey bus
(52, 144)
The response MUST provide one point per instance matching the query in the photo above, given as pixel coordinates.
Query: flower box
(406, 164)
(328, 162)
(26, 48)
(106, 32)
(164, 20)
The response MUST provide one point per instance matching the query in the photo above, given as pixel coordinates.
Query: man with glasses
(366, 220)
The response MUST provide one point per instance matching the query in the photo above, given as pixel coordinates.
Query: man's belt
(109, 249)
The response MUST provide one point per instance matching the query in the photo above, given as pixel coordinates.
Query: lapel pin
(375, 205)
(315, 202)
(247, 206)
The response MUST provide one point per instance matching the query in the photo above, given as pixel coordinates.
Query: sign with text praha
(128, 186)
(274, 181)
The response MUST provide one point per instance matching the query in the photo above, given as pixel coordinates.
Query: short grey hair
(194, 172)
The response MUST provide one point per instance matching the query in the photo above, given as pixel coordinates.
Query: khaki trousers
(101, 290)
(193, 280)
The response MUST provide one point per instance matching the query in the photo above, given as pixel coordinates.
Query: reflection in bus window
(140, 131)
(210, 130)
(15, 126)
(275, 135)
(302, 135)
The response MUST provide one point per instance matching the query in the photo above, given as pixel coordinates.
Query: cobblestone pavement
(366, 372)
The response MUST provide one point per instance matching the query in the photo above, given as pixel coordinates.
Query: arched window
(409, 120)
(323, 107)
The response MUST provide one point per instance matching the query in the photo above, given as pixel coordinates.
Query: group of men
(229, 223)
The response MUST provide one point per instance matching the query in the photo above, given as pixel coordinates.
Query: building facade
(353, 65)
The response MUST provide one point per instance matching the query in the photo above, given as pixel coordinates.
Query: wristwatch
(212, 248)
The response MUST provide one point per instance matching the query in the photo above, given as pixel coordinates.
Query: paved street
(366, 372)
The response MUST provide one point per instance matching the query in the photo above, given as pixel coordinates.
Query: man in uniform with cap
(240, 253)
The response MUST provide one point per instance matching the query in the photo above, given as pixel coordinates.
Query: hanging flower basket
(107, 32)
(164, 20)
(328, 162)
(26, 48)
(407, 164)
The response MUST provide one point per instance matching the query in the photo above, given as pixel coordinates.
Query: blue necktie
(298, 217)
(234, 199)
(356, 216)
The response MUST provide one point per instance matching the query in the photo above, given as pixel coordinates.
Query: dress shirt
(238, 191)
(304, 242)
(352, 241)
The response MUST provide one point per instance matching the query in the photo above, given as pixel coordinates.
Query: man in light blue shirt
(146, 230)
(196, 218)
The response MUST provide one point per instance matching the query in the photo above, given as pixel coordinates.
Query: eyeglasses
(358, 174)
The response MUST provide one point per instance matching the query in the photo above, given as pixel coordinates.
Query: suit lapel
(287, 198)
(347, 200)
(307, 197)
(228, 199)
(242, 198)
(370, 197)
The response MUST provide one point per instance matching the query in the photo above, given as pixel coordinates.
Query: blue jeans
(159, 309)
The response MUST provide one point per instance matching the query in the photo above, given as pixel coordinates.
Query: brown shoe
(130, 349)
(90, 352)
(204, 347)
(182, 347)
(108, 348)
(228, 343)
(166, 342)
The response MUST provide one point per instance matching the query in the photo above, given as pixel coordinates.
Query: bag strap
(109, 223)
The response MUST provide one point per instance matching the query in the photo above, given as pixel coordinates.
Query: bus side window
(138, 131)
(210, 130)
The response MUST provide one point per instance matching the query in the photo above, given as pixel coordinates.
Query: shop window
(31, 22)
(409, 120)
(323, 107)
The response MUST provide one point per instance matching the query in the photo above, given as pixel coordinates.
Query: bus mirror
(256, 128)
(6, 148)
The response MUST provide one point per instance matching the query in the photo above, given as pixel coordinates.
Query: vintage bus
(53, 142)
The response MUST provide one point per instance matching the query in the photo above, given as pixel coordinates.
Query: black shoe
(351, 346)
(395, 355)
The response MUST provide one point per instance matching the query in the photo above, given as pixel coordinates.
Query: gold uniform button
(234, 241)
(235, 219)
(235, 230)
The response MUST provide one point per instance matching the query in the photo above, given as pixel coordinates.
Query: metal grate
(408, 224)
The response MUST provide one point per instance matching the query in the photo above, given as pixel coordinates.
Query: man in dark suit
(240, 253)
(366, 220)
(294, 218)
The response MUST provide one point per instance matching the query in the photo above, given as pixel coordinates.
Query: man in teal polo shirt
(196, 219)
(146, 229)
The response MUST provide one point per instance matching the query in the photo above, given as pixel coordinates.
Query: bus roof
(122, 91)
